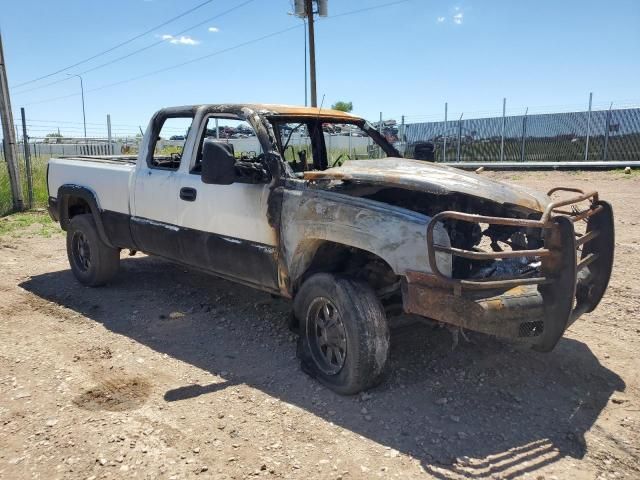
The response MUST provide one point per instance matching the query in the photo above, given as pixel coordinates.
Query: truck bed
(107, 176)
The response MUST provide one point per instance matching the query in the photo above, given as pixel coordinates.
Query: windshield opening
(308, 144)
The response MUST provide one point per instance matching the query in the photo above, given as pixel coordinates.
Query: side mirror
(218, 163)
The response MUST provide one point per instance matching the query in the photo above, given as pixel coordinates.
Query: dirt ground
(172, 374)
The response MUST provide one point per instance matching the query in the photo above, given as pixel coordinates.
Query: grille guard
(547, 221)
(536, 309)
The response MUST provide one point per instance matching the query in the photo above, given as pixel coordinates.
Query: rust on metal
(432, 178)
(545, 222)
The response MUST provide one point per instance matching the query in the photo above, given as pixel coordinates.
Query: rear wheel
(92, 261)
(344, 338)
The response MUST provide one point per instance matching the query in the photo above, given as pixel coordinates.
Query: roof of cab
(293, 110)
(296, 110)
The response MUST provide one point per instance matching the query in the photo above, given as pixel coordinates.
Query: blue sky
(408, 58)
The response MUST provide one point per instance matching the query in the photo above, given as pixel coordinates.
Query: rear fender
(67, 192)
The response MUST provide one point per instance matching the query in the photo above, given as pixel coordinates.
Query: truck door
(156, 191)
(225, 227)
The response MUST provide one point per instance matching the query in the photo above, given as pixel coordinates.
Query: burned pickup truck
(352, 241)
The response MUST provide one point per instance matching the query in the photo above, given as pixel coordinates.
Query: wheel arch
(315, 255)
(77, 200)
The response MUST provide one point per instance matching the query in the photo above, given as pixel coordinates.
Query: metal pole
(605, 152)
(380, 132)
(312, 53)
(9, 136)
(459, 135)
(84, 118)
(306, 82)
(586, 143)
(444, 148)
(524, 134)
(27, 158)
(109, 134)
(504, 124)
(217, 130)
(402, 138)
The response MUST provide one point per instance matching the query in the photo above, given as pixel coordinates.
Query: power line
(366, 9)
(172, 67)
(173, 19)
(203, 57)
(135, 52)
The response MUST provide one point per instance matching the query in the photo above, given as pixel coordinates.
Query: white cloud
(457, 18)
(440, 19)
(214, 29)
(181, 40)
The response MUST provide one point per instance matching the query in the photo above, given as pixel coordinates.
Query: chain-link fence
(37, 195)
(558, 137)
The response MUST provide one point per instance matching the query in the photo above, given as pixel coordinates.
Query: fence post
(605, 151)
(109, 134)
(459, 136)
(524, 134)
(402, 136)
(586, 144)
(504, 124)
(27, 158)
(444, 146)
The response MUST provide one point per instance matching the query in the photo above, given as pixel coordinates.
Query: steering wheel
(339, 157)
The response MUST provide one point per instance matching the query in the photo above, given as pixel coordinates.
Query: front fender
(397, 235)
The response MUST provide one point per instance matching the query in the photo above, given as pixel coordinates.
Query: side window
(296, 144)
(237, 133)
(168, 147)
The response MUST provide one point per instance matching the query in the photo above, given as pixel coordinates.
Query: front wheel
(344, 338)
(92, 261)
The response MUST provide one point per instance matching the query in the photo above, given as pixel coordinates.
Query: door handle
(188, 194)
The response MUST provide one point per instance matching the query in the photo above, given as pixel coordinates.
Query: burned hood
(433, 178)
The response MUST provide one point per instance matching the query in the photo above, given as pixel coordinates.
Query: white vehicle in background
(350, 244)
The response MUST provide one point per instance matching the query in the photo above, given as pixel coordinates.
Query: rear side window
(168, 147)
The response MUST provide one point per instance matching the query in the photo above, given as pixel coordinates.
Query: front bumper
(574, 274)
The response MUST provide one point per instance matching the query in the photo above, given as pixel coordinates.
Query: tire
(348, 318)
(92, 261)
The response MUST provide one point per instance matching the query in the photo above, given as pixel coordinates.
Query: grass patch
(39, 171)
(635, 173)
(28, 224)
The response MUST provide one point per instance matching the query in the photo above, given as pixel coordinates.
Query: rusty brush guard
(537, 308)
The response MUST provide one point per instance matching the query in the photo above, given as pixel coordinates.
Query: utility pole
(312, 53)
(304, 8)
(9, 135)
(306, 82)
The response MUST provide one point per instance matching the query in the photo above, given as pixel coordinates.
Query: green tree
(342, 106)
(54, 135)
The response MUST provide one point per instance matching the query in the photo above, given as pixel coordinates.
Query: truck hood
(433, 178)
